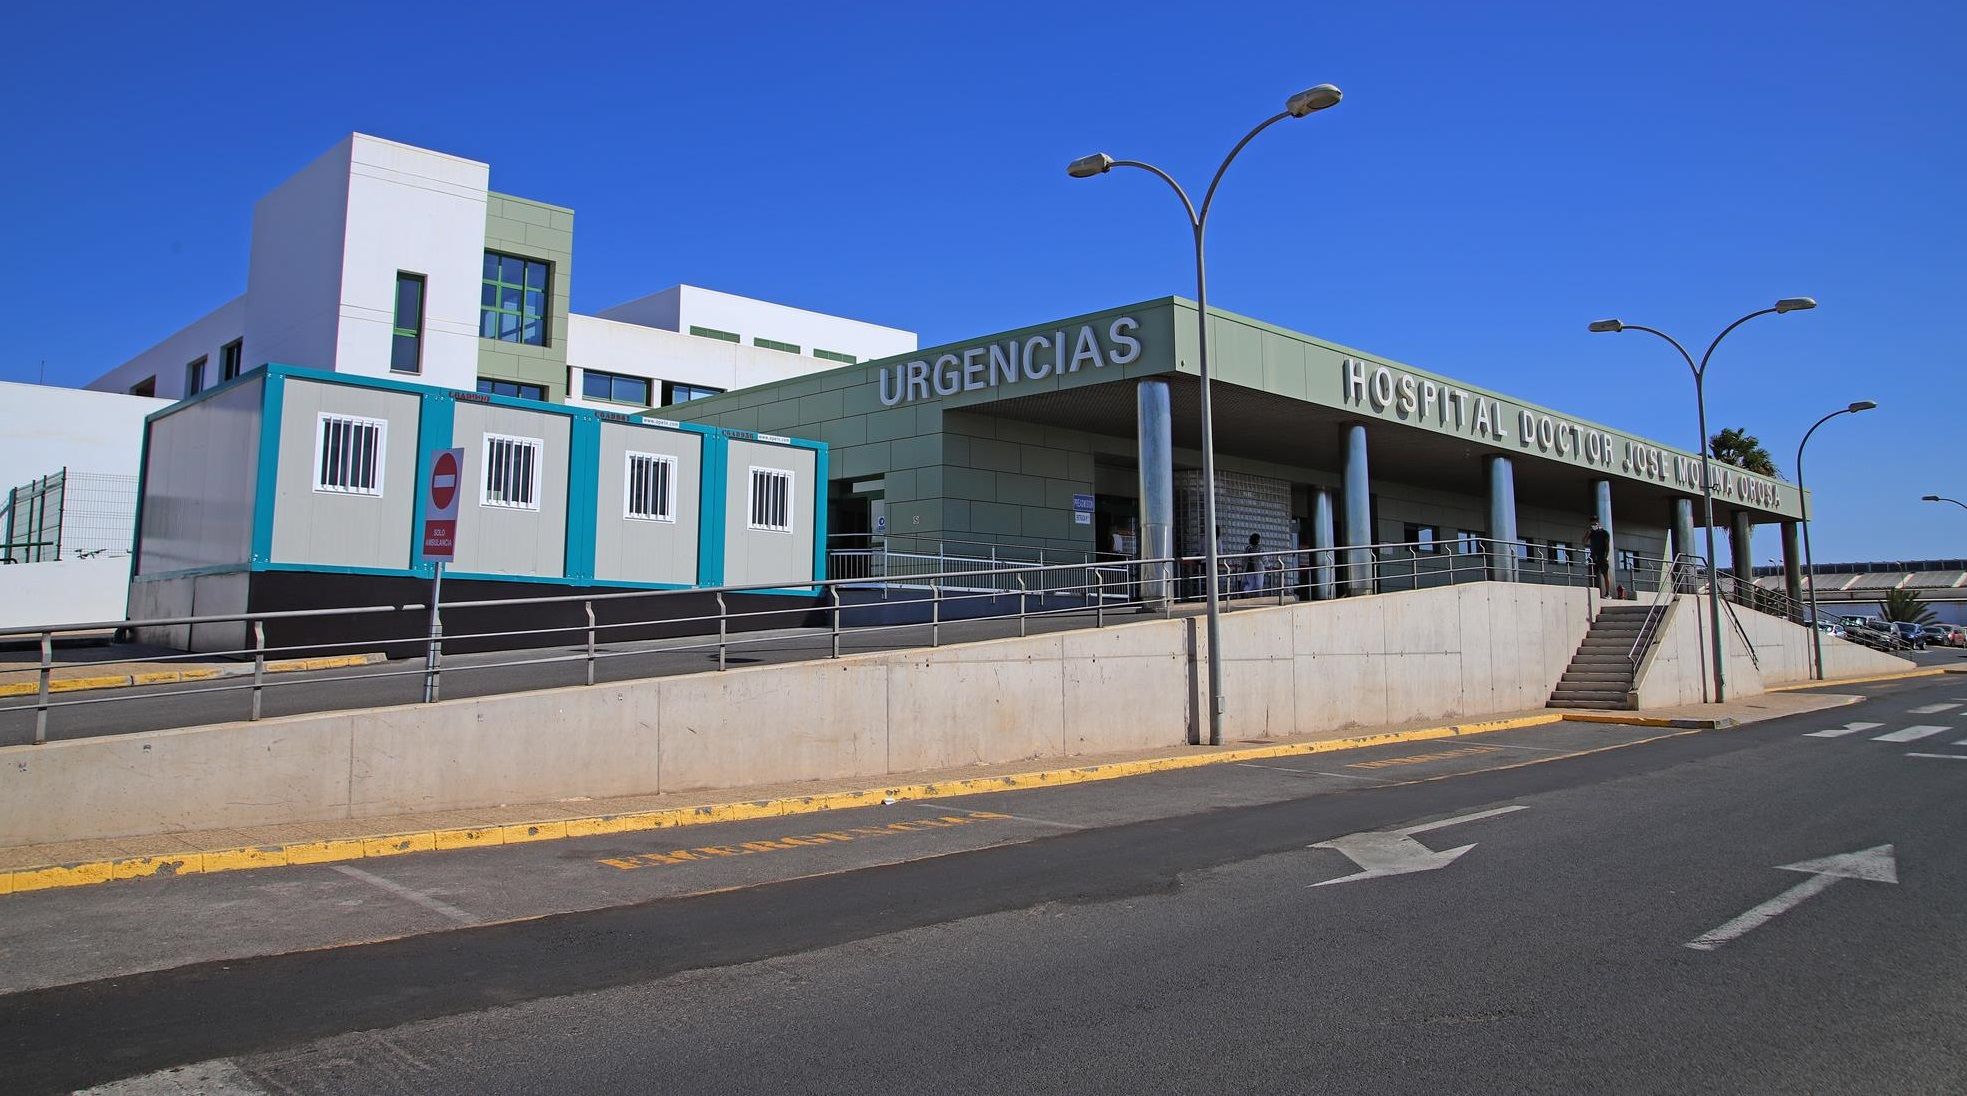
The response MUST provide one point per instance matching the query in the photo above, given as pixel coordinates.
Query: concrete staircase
(1600, 675)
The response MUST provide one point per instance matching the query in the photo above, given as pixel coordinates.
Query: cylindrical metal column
(1502, 519)
(1741, 545)
(1683, 529)
(1358, 575)
(1154, 424)
(1792, 567)
(1323, 558)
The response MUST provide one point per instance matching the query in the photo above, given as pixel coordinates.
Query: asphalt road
(1147, 935)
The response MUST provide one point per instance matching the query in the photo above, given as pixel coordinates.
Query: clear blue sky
(1498, 175)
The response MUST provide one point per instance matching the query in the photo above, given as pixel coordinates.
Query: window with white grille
(771, 499)
(650, 493)
(348, 454)
(512, 472)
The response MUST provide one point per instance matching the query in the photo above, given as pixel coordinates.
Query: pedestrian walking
(1598, 544)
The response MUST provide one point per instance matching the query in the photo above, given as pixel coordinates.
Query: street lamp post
(1943, 498)
(1787, 304)
(1099, 163)
(1810, 561)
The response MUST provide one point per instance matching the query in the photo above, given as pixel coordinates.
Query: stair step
(1573, 692)
(1595, 677)
(1590, 705)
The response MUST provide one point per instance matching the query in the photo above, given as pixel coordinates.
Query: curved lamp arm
(1193, 220)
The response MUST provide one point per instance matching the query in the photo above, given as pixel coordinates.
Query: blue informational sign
(1082, 504)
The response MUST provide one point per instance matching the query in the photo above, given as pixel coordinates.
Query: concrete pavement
(1125, 936)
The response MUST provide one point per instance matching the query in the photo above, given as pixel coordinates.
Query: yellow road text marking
(800, 841)
(1422, 759)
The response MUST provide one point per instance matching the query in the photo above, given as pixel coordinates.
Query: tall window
(348, 454)
(518, 389)
(406, 345)
(194, 377)
(1469, 542)
(678, 392)
(231, 356)
(596, 385)
(1424, 538)
(771, 499)
(512, 472)
(649, 494)
(513, 302)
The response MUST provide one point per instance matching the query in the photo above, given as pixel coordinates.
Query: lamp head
(1607, 325)
(1318, 98)
(1929, 498)
(1796, 304)
(1099, 163)
(1861, 405)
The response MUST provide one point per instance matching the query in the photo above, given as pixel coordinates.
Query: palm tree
(1736, 446)
(1742, 449)
(1904, 605)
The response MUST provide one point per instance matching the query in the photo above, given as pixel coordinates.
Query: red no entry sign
(440, 512)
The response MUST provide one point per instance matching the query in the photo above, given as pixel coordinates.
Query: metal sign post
(440, 542)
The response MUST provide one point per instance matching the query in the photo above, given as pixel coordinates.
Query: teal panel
(583, 500)
(714, 488)
(272, 403)
(819, 512)
(436, 419)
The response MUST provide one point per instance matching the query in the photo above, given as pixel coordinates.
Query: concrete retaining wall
(1445, 653)
(1676, 671)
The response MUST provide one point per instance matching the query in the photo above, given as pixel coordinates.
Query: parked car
(1946, 635)
(1914, 635)
(1832, 629)
(1877, 637)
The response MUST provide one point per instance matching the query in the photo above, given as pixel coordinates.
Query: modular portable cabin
(291, 488)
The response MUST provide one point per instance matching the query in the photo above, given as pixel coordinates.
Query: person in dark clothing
(1598, 543)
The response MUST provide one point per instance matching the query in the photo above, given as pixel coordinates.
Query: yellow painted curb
(199, 673)
(322, 852)
(1929, 671)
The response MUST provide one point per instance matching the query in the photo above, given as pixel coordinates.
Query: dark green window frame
(615, 387)
(835, 356)
(231, 356)
(515, 299)
(679, 392)
(406, 333)
(194, 376)
(774, 344)
(713, 333)
(517, 389)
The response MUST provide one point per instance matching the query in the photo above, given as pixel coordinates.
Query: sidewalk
(81, 863)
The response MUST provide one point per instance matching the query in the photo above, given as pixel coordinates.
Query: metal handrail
(1095, 589)
(1669, 588)
(1741, 633)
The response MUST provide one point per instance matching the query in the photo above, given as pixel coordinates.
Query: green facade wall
(533, 230)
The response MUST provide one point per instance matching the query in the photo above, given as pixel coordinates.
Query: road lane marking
(401, 891)
(1381, 853)
(1931, 709)
(1912, 734)
(1840, 732)
(799, 841)
(1873, 865)
(1514, 746)
(1943, 757)
(1422, 759)
(1305, 772)
(1013, 817)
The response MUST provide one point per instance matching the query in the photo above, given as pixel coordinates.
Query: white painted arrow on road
(1395, 852)
(1874, 865)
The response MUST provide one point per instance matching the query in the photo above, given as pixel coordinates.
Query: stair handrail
(1668, 588)
(1742, 633)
